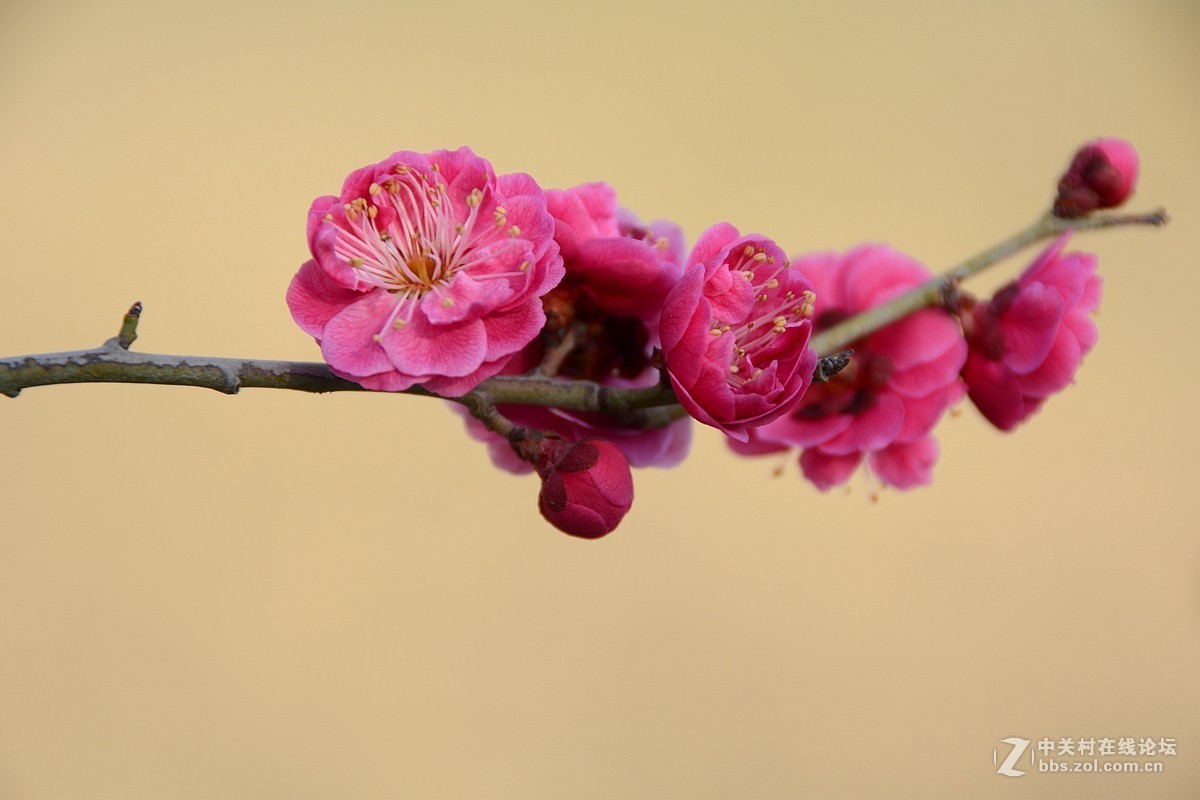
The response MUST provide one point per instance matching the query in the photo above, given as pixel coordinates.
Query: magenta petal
(1069, 275)
(906, 464)
(420, 348)
(921, 379)
(680, 307)
(917, 339)
(509, 331)
(390, 381)
(588, 210)
(349, 343)
(826, 470)
(1084, 329)
(676, 250)
(314, 299)
(922, 413)
(1057, 371)
(872, 429)
(1044, 259)
(873, 273)
(710, 243)
(995, 391)
(820, 269)
(800, 431)
(1029, 326)
(464, 299)
(1092, 291)
(625, 275)
(336, 268)
(457, 387)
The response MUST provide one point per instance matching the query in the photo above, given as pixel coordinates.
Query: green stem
(933, 291)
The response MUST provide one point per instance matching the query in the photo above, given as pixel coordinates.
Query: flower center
(776, 310)
(407, 238)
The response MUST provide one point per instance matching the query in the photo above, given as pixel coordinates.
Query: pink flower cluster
(431, 270)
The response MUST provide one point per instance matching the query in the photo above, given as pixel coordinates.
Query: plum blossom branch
(112, 362)
(647, 407)
(934, 292)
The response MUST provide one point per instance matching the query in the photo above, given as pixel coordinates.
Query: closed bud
(587, 487)
(1102, 175)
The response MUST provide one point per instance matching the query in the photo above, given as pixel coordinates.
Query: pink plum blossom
(898, 383)
(426, 269)
(735, 332)
(1027, 341)
(618, 273)
(587, 488)
(1101, 175)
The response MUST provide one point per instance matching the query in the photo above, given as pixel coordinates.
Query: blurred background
(288, 595)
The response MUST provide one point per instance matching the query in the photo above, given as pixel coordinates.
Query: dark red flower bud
(587, 487)
(1102, 175)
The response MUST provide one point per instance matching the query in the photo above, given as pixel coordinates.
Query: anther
(524, 266)
(748, 250)
(514, 231)
(373, 189)
(771, 284)
(760, 257)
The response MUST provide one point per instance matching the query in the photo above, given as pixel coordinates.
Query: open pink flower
(427, 269)
(735, 332)
(900, 380)
(1027, 341)
(618, 272)
(587, 488)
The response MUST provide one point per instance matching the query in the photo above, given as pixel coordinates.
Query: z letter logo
(1018, 748)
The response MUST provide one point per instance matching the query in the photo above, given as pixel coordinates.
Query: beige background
(289, 596)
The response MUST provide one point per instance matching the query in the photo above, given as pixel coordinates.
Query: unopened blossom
(603, 316)
(897, 385)
(1026, 343)
(1102, 175)
(587, 487)
(426, 269)
(735, 332)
